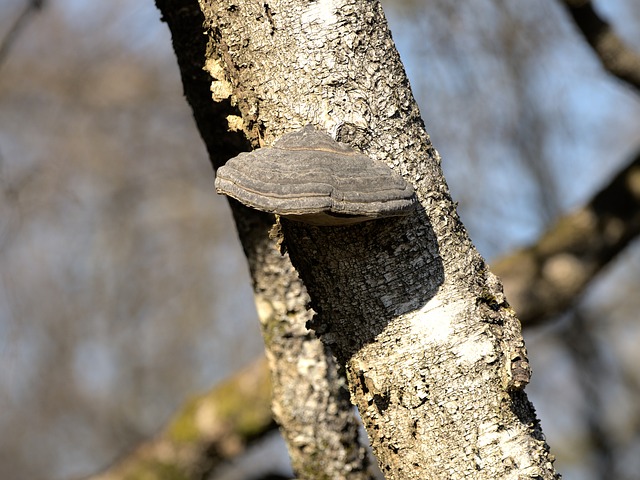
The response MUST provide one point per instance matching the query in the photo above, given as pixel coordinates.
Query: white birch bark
(434, 354)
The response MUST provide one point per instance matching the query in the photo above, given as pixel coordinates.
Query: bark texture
(434, 354)
(310, 400)
(310, 397)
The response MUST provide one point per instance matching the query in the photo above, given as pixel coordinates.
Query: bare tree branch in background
(207, 431)
(17, 27)
(614, 54)
(546, 278)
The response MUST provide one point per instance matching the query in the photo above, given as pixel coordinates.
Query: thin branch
(614, 54)
(18, 25)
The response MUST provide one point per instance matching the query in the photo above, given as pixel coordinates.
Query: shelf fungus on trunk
(309, 177)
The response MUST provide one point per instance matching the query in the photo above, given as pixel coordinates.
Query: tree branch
(614, 54)
(546, 278)
(18, 25)
(207, 431)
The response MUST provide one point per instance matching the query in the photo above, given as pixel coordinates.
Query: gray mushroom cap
(309, 177)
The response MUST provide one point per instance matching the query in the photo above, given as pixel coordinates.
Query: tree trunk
(434, 354)
(310, 400)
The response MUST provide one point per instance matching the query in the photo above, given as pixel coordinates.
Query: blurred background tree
(123, 290)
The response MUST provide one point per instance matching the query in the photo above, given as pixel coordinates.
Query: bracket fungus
(309, 177)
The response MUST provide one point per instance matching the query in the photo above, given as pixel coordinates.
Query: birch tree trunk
(310, 400)
(434, 355)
